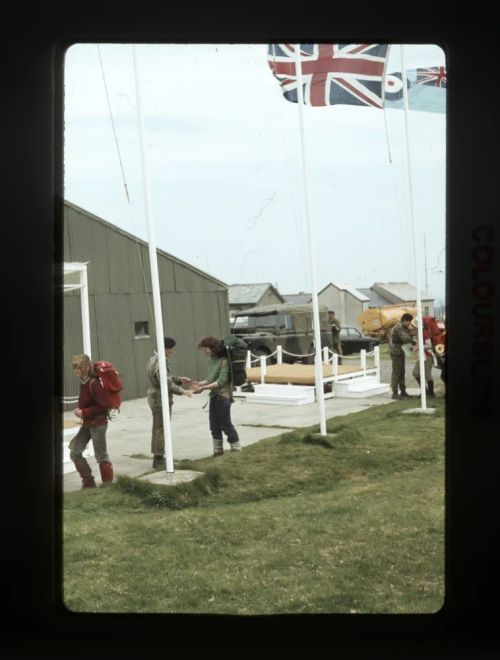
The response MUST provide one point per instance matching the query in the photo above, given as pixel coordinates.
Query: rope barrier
(70, 399)
(303, 355)
(297, 354)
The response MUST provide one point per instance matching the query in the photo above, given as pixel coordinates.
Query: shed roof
(297, 298)
(399, 291)
(244, 294)
(280, 308)
(355, 293)
(374, 298)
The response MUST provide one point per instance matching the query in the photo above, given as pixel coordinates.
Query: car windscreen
(240, 322)
(252, 322)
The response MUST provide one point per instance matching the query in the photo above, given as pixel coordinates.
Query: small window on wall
(141, 329)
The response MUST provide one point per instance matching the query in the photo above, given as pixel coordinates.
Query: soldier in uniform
(336, 328)
(154, 400)
(400, 335)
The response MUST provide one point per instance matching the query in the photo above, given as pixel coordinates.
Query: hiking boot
(83, 469)
(218, 447)
(395, 395)
(235, 446)
(159, 463)
(106, 470)
(404, 395)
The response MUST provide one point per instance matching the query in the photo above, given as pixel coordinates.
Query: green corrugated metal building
(122, 328)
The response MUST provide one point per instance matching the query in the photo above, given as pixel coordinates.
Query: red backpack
(434, 330)
(110, 380)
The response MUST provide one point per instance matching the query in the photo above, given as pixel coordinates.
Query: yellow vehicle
(377, 321)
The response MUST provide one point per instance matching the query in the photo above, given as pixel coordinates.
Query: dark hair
(168, 342)
(406, 317)
(215, 345)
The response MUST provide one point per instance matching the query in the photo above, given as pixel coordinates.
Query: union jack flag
(434, 76)
(351, 74)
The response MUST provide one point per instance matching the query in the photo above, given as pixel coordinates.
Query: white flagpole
(155, 280)
(84, 301)
(318, 367)
(414, 239)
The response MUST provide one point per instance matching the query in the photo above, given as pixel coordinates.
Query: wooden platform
(296, 374)
(70, 424)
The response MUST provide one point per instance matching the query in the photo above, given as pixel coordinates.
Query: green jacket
(218, 370)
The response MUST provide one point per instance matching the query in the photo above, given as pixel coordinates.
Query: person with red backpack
(433, 340)
(93, 410)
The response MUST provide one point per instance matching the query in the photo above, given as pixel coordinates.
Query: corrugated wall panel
(67, 252)
(223, 300)
(89, 243)
(199, 308)
(73, 338)
(125, 263)
(189, 280)
(142, 310)
(115, 338)
(72, 342)
(186, 280)
(166, 272)
(179, 323)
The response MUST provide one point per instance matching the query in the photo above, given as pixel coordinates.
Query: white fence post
(363, 360)
(376, 355)
(325, 354)
(262, 368)
(335, 365)
(248, 364)
(279, 354)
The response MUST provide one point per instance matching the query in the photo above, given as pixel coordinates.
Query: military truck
(377, 321)
(290, 326)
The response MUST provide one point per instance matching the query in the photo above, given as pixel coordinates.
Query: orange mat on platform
(296, 374)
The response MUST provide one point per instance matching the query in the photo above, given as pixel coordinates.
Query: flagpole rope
(112, 123)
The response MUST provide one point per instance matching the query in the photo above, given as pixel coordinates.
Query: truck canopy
(287, 317)
(281, 308)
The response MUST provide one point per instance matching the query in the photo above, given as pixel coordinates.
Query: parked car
(352, 341)
(290, 326)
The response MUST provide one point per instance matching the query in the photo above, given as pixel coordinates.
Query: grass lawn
(288, 525)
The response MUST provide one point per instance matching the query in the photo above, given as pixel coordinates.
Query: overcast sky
(226, 174)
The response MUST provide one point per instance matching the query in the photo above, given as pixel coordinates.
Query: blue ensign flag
(426, 89)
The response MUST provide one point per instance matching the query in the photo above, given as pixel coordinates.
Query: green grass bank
(289, 525)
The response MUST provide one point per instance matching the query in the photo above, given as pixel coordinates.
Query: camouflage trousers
(398, 372)
(158, 432)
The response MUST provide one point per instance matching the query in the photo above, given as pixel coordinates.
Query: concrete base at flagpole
(164, 478)
(418, 411)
